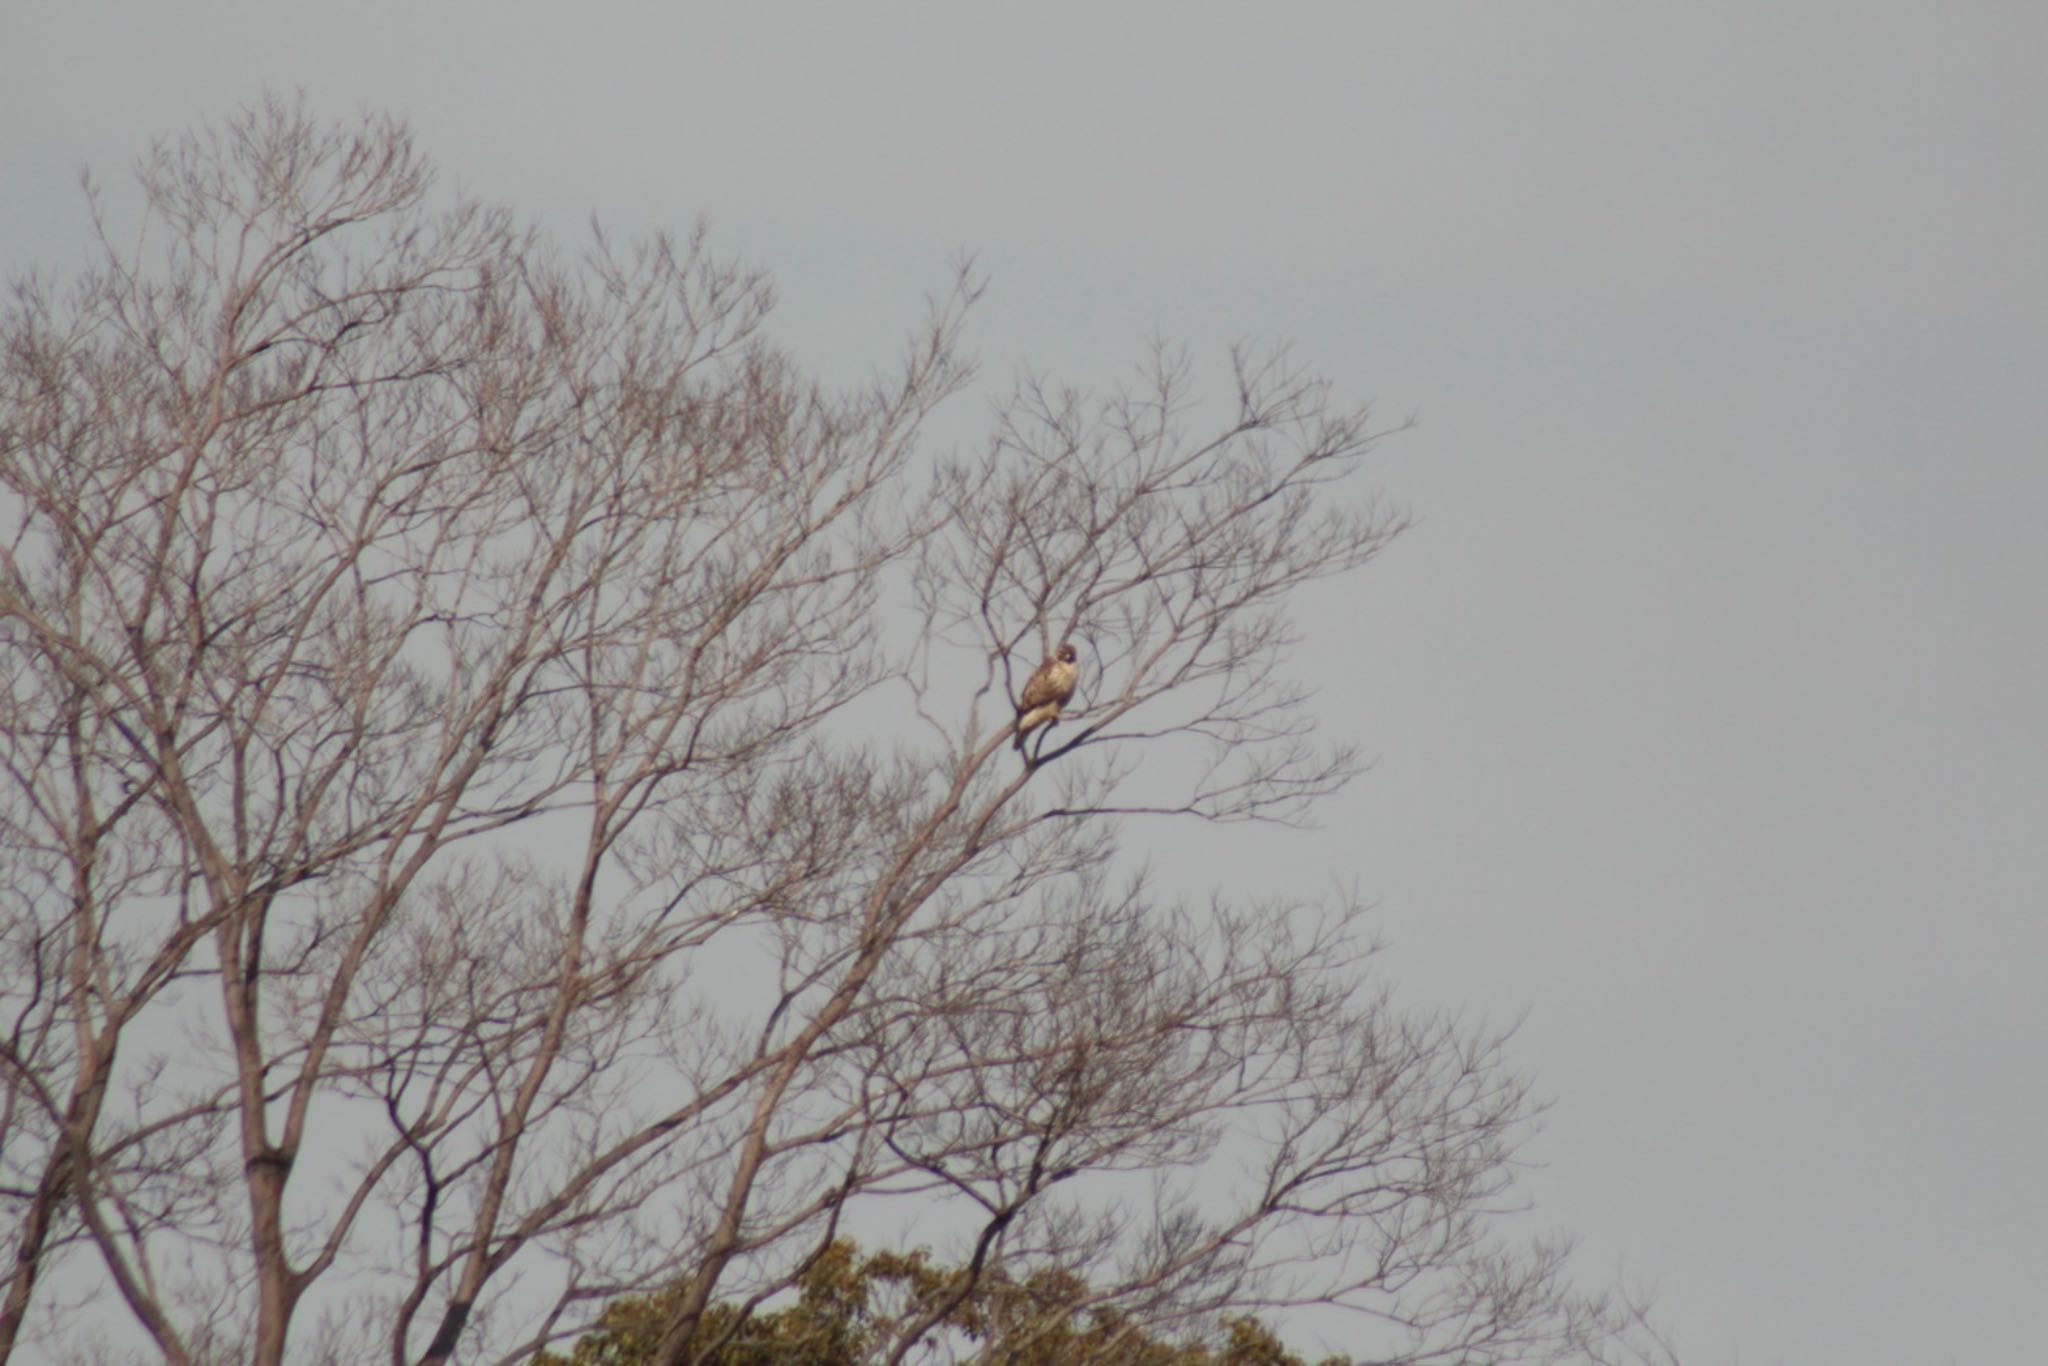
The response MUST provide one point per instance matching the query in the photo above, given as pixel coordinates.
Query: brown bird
(1046, 691)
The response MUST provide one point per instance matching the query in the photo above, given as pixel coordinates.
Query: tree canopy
(509, 822)
(849, 1305)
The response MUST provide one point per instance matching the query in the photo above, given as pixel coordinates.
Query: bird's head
(1065, 654)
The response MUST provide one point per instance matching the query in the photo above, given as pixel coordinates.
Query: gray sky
(1709, 693)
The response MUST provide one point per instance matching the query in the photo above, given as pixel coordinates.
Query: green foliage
(850, 1307)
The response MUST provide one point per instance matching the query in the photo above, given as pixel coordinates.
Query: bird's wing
(1042, 687)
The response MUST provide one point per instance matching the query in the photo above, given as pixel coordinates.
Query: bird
(1046, 691)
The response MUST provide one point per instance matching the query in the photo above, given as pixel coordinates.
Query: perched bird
(1046, 691)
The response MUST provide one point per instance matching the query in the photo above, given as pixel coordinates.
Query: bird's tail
(1031, 720)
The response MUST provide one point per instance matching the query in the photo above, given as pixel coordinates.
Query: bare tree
(509, 801)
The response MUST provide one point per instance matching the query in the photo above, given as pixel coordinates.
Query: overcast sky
(1708, 693)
